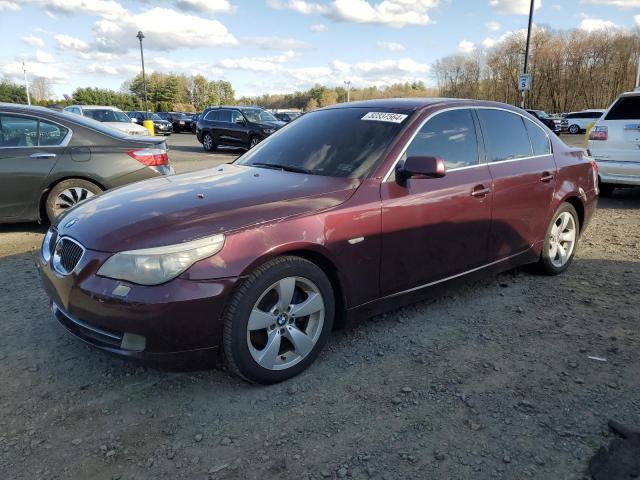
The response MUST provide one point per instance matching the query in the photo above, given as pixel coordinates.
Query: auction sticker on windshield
(384, 117)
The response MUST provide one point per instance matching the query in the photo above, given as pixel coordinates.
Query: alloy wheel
(253, 142)
(208, 142)
(70, 197)
(562, 239)
(285, 323)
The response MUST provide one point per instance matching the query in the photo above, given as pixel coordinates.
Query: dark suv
(160, 126)
(241, 127)
(180, 122)
(554, 124)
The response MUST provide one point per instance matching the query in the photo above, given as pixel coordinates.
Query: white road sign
(524, 82)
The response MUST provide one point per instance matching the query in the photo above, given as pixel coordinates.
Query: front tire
(560, 240)
(278, 320)
(67, 194)
(574, 129)
(253, 141)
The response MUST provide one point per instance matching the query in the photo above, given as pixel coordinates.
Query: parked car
(194, 122)
(111, 116)
(160, 126)
(554, 124)
(286, 116)
(350, 210)
(181, 122)
(51, 161)
(614, 142)
(235, 127)
(578, 122)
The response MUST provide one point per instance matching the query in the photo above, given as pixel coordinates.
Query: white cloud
(391, 46)
(211, 6)
(44, 57)
(492, 26)
(9, 6)
(257, 64)
(637, 20)
(489, 42)
(276, 43)
(465, 46)
(393, 13)
(556, 7)
(67, 42)
(319, 28)
(102, 68)
(363, 74)
(52, 71)
(594, 24)
(513, 7)
(103, 8)
(164, 29)
(615, 3)
(33, 41)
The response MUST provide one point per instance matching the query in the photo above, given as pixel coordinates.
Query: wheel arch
(576, 202)
(42, 208)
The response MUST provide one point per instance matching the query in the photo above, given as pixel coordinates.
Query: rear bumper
(618, 173)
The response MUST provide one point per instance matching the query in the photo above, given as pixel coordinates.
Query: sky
(271, 46)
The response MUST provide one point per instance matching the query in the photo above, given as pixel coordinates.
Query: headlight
(268, 131)
(153, 266)
(46, 248)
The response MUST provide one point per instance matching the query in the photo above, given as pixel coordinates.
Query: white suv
(579, 121)
(614, 143)
(112, 116)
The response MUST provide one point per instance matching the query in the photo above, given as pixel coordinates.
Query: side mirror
(421, 167)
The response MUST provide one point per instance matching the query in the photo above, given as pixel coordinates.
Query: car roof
(18, 107)
(95, 107)
(631, 94)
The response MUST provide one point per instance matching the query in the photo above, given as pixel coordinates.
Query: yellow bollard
(586, 136)
(148, 124)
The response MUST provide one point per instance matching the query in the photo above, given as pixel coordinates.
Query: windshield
(257, 115)
(106, 115)
(336, 143)
(153, 116)
(542, 114)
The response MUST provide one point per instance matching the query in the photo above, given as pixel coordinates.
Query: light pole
(140, 36)
(348, 84)
(26, 83)
(638, 75)
(526, 51)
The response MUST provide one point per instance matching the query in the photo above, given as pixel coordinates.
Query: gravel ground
(492, 380)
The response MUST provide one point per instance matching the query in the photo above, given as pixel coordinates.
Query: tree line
(570, 70)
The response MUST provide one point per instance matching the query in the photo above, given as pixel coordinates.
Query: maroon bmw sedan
(348, 211)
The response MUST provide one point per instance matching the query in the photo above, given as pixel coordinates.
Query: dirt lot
(492, 380)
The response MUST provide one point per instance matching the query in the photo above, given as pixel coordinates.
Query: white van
(614, 143)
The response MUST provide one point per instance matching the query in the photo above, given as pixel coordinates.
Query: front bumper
(618, 173)
(159, 324)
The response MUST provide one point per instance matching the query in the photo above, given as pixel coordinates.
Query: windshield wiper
(286, 168)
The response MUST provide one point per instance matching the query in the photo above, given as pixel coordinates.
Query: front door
(523, 171)
(439, 227)
(28, 152)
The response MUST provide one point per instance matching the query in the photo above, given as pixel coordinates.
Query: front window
(18, 131)
(257, 115)
(106, 115)
(337, 142)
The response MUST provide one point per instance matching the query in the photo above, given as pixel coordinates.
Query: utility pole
(526, 51)
(140, 36)
(26, 83)
(348, 84)
(638, 75)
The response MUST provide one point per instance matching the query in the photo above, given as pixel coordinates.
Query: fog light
(131, 341)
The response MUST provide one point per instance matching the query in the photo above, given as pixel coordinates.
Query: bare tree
(40, 88)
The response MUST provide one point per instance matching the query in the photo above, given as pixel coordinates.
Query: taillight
(151, 157)
(599, 133)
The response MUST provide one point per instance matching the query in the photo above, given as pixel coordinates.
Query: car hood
(179, 208)
(275, 125)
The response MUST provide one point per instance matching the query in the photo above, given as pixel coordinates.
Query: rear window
(626, 108)
(505, 135)
(341, 142)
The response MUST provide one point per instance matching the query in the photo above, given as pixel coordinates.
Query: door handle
(480, 191)
(546, 177)
(43, 155)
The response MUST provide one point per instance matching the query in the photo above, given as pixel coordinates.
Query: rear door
(29, 149)
(623, 126)
(523, 172)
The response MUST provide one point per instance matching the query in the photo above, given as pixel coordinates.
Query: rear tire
(67, 194)
(574, 129)
(208, 143)
(560, 241)
(606, 189)
(278, 320)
